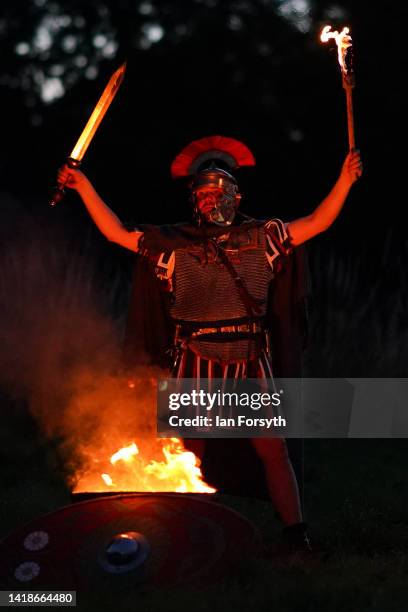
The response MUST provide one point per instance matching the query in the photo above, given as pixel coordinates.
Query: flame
(343, 42)
(125, 454)
(111, 459)
(166, 466)
(182, 464)
(107, 479)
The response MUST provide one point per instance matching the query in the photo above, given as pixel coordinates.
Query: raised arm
(106, 220)
(323, 216)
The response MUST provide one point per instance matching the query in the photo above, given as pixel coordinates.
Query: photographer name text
(240, 420)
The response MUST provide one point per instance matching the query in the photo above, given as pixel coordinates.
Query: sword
(83, 142)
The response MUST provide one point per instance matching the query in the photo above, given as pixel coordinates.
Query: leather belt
(249, 328)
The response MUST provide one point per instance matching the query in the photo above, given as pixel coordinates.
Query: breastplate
(204, 289)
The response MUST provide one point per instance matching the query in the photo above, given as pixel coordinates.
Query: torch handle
(59, 190)
(348, 84)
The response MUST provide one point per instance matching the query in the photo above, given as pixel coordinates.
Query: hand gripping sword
(83, 142)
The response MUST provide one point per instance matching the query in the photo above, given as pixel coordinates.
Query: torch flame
(343, 42)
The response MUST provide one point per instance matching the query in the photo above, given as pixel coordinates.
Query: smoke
(60, 338)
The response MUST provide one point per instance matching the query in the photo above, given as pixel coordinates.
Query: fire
(125, 453)
(343, 42)
(107, 480)
(181, 464)
(165, 465)
(120, 454)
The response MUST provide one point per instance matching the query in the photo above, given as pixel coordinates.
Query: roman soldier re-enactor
(224, 291)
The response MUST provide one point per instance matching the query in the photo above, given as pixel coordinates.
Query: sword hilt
(59, 189)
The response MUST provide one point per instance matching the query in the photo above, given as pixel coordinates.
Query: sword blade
(98, 114)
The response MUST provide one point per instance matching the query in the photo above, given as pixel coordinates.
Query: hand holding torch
(344, 47)
(78, 152)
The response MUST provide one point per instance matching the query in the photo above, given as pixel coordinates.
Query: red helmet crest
(232, 152)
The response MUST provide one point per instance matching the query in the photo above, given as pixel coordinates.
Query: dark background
(237, 68)
(256, 71)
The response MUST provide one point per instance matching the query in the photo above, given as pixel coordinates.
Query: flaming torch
(344, 48)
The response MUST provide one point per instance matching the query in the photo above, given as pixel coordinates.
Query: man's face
(207, 198)
(215, 205)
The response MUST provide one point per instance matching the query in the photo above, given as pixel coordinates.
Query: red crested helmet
(215, 193)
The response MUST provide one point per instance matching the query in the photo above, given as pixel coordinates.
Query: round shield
(126, 540)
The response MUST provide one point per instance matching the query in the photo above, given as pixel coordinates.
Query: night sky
(252, 70)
